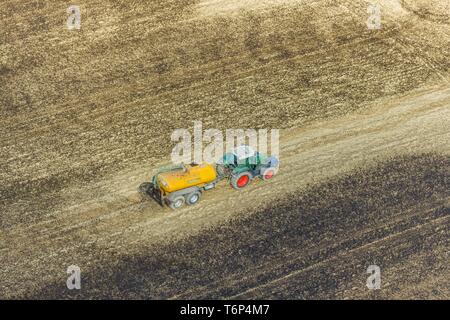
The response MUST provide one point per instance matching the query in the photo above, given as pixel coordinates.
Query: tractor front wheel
(268, 173)
(241, 180)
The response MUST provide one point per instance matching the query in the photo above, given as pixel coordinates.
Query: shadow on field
(319, 231)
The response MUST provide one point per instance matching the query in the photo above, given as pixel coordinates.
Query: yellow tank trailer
(191, 175)
(183, 184)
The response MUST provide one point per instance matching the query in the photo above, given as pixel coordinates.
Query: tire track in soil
(309, 156)
(275, 287)
(104, 215)
(397, 211)
(326, 252)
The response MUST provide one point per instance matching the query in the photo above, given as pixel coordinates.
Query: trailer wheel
(193, 198)
(241, 180)
(177, 203)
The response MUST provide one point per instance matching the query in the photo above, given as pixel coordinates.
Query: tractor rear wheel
(177, 203)
(241, 180)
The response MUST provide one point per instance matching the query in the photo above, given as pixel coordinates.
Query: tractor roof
(244, 152)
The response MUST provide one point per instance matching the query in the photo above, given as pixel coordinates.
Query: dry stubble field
(86, 117)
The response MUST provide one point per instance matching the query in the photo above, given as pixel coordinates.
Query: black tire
(193, 198)
(177, 202)
(241, 180)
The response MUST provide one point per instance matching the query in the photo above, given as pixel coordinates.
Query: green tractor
(244, 164)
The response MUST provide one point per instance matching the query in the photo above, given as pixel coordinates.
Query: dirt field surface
(86, 118)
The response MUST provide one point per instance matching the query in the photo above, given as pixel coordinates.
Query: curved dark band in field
(316, 244)
(87, 115)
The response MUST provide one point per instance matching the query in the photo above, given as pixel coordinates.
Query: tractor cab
(242, 157)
